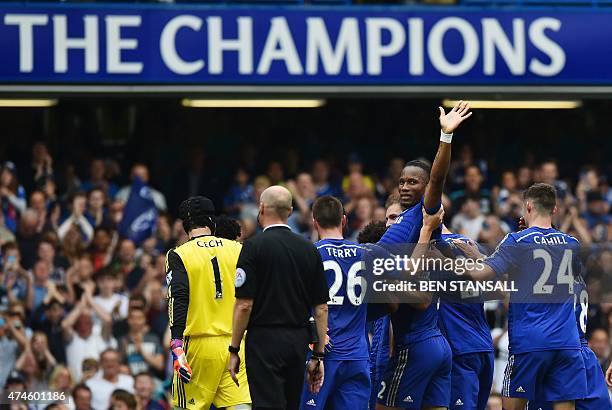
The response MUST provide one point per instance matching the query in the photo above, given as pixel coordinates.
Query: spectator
(42, 285)
(97, 179)
(157, 313)
(12, 195)
(96, 213)
(549, 173)
(77, 219)
(275, 173)
(101, 248)
(81, 395)
(16, 280)
(141, 348)
(321, 179)
(112, 302)
(459, 167)
(394, 171)
(38, 203)
(144, 385)
(469, 221)
(12, 342)
(239, 194)
(141, 171)
(355, 166)
(108, 380)
(123, 400)
(362, 215)
(36, 363)
(599, 344)
(81, 341)
(524, 177)
(61, 380)
(48, 319)
(28, 237)
(78, 277)
(597, 217)
(303, 192)
(493, 231)
(55, 264)
(473, 182)
(89, 369)
(132, 273)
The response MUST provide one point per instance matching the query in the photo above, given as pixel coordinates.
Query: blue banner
(91, 44)
(139, 214)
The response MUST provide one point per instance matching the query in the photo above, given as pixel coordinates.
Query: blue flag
(140, 214)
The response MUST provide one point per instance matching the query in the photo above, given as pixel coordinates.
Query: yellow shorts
(210, 382)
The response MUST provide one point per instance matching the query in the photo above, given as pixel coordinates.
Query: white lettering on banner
(376, 49)
(494, 38)
(435, 46)
(26, 23)
(62, 43)
(362, 46)
(217, 44)
(319, 44)
(280, 46)
(115, 43)
(167, 45)
(415, 46)
(547, 46)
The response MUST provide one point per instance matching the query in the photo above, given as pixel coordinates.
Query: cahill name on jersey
(343, 264)
(543, 263)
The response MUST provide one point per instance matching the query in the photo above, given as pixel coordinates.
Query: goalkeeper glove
(180, 360)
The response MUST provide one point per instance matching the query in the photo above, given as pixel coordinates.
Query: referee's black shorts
(275, 365)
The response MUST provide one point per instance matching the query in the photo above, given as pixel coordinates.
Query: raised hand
(460, 112)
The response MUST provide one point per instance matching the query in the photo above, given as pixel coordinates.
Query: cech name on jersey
(212, 243)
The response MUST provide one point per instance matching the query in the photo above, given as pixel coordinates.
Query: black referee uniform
(283, 274)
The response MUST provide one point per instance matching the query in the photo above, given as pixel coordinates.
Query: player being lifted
(347, 373)
(418, 374)
(200, 276)
(545, 360)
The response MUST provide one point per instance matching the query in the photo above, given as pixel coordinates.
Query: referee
(280, 283)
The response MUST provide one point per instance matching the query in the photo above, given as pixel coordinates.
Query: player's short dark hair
(197, 212)
(372, 232)
(420, 164)
(392, 200)
(227, 228)
(328, 211)
(543, 196)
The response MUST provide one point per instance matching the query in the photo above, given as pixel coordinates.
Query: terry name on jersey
(341, 253)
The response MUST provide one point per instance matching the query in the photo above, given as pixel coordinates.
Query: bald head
(277, 200)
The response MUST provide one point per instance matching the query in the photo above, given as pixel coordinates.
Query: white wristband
(446, 137)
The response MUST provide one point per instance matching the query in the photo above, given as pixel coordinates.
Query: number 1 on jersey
(217, 275)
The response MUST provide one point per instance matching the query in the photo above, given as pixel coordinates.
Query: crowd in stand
(82, 309)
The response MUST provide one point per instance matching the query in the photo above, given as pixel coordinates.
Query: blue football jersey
(581, 308)
(464, 324)
(543, 263)
(407, 227)
(343, 264)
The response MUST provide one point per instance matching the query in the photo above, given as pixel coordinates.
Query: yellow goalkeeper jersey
(200, 275)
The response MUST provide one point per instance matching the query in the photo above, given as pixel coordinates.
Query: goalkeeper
(200, 276)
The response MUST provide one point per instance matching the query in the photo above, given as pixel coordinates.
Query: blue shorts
(471, 380)
(552, 375)
(597, 397)
(346, 386)
(417, 376)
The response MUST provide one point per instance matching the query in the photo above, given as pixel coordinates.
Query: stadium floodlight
(25, 103)
(522, 105)
(251, 103)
